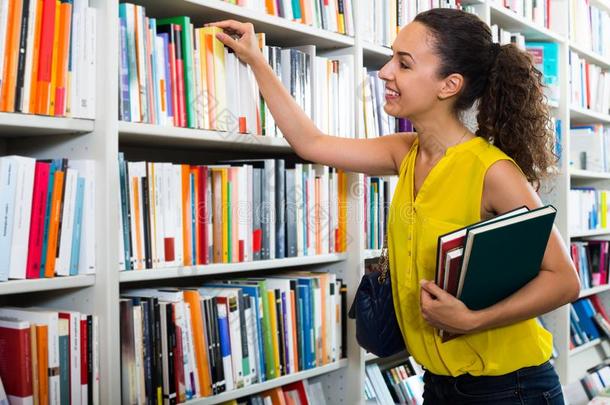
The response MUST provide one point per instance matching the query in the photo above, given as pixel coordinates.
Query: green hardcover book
(189, 73)
(503, 256)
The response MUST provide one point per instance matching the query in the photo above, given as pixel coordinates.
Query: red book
(179, 74)
(45, 57)
(299, 387)
(16, 361)
(202, 216)
(39, 205)
(84, 350)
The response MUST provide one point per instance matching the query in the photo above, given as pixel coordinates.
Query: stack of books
(478, 265)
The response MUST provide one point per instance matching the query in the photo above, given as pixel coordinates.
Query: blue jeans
(529, 385)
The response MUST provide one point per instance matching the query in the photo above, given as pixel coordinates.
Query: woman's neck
(435, 136)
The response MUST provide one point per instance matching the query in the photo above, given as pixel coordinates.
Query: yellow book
(273, 325)
(202, 98)
(54, 63)
(604, 210)
(219, 107)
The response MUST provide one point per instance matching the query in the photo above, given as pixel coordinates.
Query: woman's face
(410, 76)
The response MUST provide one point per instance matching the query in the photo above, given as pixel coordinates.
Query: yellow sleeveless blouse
(450, 198)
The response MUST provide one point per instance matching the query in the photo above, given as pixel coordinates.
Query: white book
(8, 188)
(89, 70)
(139, 355)
(299, 208)
(169, 223)
(379, 386)
(62, 264)
(86, 261)
(252, 331)
(232, 88)
(193, 369)
(159, 224)
(161, 80)
(176, 199)
(242, 208)
(23, 210)
(3, 35)
(49, 318)
(150, 171)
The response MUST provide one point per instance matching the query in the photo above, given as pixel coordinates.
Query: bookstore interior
(161, 242)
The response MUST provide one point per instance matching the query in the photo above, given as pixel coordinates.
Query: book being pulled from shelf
(590, 27)
(588, 209)
(191, 80)
(589, 146)
(48, 218)
(181, 215)
(393, 383)
(48, 356)
(467, 256)
(228, 334)
(48, 57)
(333, 15)
(589, 85)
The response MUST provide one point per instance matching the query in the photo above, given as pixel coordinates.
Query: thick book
(513, 247)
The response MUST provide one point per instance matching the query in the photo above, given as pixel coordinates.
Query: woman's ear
(451, 86)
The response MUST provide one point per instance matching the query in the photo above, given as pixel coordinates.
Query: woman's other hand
(443, 311)
(240, 37)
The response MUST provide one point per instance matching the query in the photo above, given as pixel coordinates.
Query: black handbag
(373, 309)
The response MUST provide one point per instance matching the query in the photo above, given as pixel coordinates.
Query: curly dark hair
(513, 113)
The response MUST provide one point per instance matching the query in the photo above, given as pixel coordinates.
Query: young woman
(449, 177)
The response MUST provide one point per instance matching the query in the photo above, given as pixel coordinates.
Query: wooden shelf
(156, 135)
(595, 290)
(580, 115)
(586, 174)
(45, 284)
(509, 20)
(278, 31)
(13, 125)
(590, 56)
(227, 268)
(277, 382)
(585, 347)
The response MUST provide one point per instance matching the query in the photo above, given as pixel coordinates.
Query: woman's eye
(403, 66)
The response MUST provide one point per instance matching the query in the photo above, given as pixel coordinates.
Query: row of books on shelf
(378, 192)
(590, 27)
(587, 209)
(589, 146)
(174, 215)
(303, 392)
(397, 384)
(386, 17)
(590, 85)
(48, 57)
(228, 334)
(48, 215)
(333, 15)
(593, 388)
(190, 79)
(374, 120)
(592, 262)
(542, 13)
(49, 357)
(588, 321)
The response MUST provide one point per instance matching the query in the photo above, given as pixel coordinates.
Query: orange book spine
(63, 53)
(136, 203)
(270, 5)
(45, 57)
(186, 220)
(43, 363)
(35, 56)
(11, 56)
(58, 183)
(201, 351)
(55, 60)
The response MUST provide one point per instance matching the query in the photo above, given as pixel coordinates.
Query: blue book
(168, 83)
(124, 186)
(308, 326)
(586, 322)
(78, 222)
(193, 221)
(8, 185)
(152, 24)
(301, 331)
(56, 165)
(125, 102)
(225, 346)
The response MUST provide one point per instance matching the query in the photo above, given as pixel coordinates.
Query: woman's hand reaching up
(240, 37)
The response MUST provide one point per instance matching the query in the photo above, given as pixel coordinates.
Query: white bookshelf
(99, 139)
(594, 290)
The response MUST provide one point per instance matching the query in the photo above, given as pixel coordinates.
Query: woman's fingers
(232, 25)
